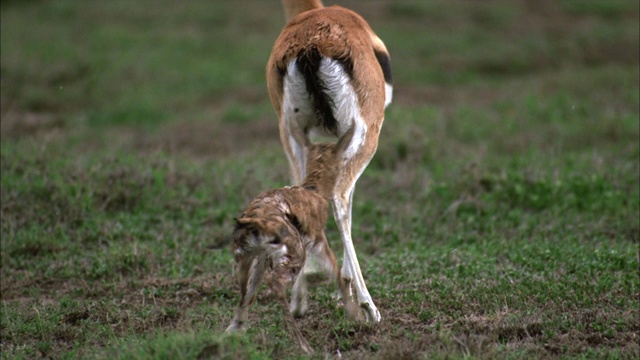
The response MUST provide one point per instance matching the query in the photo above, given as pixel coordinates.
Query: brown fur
(278, 232)
(349, 49)
(337, 33)
(323, 165)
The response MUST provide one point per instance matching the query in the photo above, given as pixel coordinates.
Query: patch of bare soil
(166, 301)
(16, 123)
(210, 139)
(165, 304)
(446, 97)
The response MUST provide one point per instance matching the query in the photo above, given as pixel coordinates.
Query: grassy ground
(499, 217)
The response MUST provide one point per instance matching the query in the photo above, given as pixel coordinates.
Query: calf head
(259, 245)
(274, 242)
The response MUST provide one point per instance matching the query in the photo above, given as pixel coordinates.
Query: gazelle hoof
(371, 313)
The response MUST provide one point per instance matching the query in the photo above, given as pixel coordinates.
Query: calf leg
(278, 289)
(250, 273)
(320, 266)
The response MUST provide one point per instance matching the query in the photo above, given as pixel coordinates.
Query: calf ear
(239, 223)
(243, 227)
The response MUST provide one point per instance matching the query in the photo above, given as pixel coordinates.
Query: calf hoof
(298, 310)
(235, 326)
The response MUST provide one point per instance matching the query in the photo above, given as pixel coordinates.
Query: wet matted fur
(329, 72)
(281, 236)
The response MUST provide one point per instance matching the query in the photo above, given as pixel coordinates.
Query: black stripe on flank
(308, 61)
(385, 64)
(282, 71)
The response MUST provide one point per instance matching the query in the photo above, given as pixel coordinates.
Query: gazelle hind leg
(351, 273)
(344, 288)
(342, 202)
(325, 268)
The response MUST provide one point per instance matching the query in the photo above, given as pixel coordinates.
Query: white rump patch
(298, 108)
(346, 110)
(296, 104)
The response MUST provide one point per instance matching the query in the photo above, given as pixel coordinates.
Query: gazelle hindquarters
(328, 72)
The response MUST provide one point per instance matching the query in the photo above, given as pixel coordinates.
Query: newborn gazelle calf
(282, 233)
